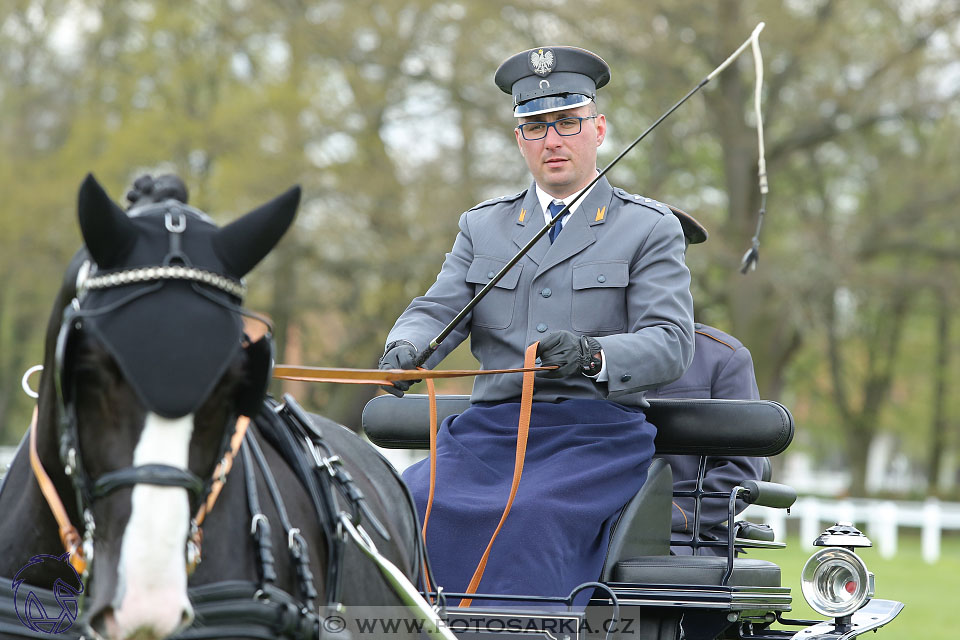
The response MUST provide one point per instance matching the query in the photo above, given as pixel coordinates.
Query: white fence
(881, 520)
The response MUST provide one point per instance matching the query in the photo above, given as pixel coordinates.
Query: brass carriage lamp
(835, 580)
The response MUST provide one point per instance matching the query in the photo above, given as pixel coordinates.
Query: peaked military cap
(549, 79)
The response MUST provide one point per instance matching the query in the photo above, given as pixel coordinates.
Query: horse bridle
(202, 492)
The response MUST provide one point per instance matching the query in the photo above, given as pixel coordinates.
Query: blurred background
(387, 115)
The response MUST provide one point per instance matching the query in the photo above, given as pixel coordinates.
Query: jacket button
(541, 327)
(546, 293)
(491, 274)
(601, 278)
(625, 377)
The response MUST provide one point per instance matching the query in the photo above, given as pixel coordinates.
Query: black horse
(147, 375)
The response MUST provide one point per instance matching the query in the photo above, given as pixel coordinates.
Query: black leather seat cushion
(696, 570)
(684, 426)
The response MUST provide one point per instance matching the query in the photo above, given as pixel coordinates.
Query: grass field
(929, 591)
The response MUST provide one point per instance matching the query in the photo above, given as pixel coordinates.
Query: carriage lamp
(835, 580)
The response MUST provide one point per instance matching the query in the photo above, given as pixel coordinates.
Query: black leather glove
(400, 354)
(571, 353)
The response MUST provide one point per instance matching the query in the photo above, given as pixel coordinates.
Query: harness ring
(25, 381)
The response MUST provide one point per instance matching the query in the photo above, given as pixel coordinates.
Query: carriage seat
(638, 551)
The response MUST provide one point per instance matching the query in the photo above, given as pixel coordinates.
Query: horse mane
(49, 411)
(147, 189)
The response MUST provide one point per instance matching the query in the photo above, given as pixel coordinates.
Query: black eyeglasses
(564, 127)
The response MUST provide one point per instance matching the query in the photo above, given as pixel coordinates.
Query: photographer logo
(53, 617)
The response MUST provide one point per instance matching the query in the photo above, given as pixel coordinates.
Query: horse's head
(153, 369)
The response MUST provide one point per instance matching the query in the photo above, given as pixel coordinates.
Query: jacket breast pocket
(495, 310)
(600, 296)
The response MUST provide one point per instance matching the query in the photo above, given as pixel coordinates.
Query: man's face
(562, 165)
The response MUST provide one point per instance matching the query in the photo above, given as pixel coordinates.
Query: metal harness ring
(25, 381)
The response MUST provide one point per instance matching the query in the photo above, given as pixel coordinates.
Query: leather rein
(79, 549)
(387, 376)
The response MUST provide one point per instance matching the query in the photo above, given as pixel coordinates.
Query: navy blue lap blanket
(585, 459)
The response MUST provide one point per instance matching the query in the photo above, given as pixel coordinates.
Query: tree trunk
(859, 434)
(941, 373)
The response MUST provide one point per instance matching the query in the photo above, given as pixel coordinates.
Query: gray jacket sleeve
(659, 344)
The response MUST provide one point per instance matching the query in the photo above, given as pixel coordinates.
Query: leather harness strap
(432, 397)
(388, 376)
(68, 533)
(382, 376)
(72, 541)
(523, 430)
(223, 468)
(70, 537)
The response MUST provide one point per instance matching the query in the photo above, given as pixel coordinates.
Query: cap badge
(541, 61)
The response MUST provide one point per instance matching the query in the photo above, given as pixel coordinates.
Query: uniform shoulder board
(718, 336)
(492, 201)
(649, 203)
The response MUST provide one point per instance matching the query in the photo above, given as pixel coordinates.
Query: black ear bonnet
(163, 294)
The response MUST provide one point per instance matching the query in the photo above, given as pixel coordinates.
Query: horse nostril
(186, 618)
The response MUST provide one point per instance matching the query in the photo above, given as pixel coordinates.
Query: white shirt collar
(545, 200)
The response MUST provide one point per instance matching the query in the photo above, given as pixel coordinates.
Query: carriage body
(644, 591)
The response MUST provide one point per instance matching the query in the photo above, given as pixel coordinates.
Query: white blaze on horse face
(152, 576)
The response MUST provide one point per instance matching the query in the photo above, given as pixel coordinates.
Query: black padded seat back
(643, 527)
(684, 426)
(693, 570)
(767, 470)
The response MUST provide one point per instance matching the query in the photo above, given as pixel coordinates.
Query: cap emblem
(542, 61)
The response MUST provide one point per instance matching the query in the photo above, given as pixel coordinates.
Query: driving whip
(424, 355)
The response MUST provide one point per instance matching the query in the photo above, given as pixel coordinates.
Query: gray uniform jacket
(722, 368)
(616, 272)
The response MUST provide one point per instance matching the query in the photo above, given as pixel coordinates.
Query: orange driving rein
(72, 541)
(387, 376)
(70, 537)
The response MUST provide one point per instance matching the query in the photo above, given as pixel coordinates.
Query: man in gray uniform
(721, 368)
(607, 295)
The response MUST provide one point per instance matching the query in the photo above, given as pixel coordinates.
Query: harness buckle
(177, 225)
(293, 540)
(256, 521)
(194, 553)
(330, 462)
(224, 468)
(327, 462)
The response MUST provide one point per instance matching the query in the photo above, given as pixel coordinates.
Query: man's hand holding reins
(571, 354)
(399, 354)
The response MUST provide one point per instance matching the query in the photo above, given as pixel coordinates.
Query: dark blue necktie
(553, 209)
